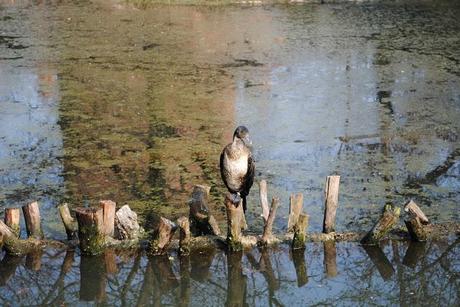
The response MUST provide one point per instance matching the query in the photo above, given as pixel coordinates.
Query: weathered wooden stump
(295, 208)
(416, 229)
(15, 246)
(267, 237)
(331, 201)
(414, 210)
(300, 235)
(388, 219)
(32, 219)
(12, 219)
(108, 208)
(70, 225)
(264, 200)
(202, 222)
(184, 235)
(162, 237)
(233, 222)
(91, 230)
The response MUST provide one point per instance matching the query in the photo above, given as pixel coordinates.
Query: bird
(237, 166)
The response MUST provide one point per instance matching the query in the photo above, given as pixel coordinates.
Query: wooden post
(12, 219)
(201, 220)
(415, 228)
(299, 232)
(414, 210)
(330, 255)
(298, 258)
(90, 230)
(13, 245)
(264, 199)
(32, 218)
(331, 201)
(162, 236)
(267, 237)
(69, 222)
(295, 208)
(184, 236)
(388, 219)
(108, 208)
(233, 222)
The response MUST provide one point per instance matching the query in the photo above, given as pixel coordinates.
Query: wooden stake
(90, 230)
(300, 232)
(32, 218)
(233, 222)
(162, 237)
(184, 237)
(295, 208)
(267, 237)
(108, 208)
(388, 219)
(12, 219)
(264, 200)
(416, 229)
(331, 201)
(69, 222)
(414, 210)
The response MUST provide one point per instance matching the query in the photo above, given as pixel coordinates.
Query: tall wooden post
(108, 208)
(233, 222)
(12, 219)
(32, 218)
(70, 224)
(331, 200)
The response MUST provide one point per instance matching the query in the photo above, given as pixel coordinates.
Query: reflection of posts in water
(267, 270)
(92, 278)
(164, 273)
(34, 260)
(201, 263)
(58, 286)
(236, 290)
(110, 261)
(380, 261)
(184, 299)
(298, 258)
(414, 252)
(330, 254)
(8, 267)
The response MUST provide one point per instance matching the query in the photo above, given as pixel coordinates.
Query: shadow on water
(321, 274)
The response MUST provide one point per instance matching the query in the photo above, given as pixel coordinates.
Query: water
(342, 274)
(105, 99)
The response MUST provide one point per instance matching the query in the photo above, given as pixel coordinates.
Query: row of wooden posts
(101, 227)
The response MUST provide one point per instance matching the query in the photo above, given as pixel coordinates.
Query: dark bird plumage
(237, 166)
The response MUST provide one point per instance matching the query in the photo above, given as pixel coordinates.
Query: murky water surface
(102, 99)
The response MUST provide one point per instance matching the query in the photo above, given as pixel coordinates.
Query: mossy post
(388, 219)
(162, 237)
(12, 219)
(32, 219)
(90, 230)
(184, 235)
(69, 222)
(15, 246)
(331, 201)
(295, 208)
(234, 218)
(416, 230)
(300, 235)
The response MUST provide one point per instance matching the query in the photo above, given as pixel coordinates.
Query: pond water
(113, 100)
(342, 274)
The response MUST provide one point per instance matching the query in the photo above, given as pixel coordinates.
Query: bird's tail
(244, 204)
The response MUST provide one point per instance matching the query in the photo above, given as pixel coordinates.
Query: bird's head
(242, 133)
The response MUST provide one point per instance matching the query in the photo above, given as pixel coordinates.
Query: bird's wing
(222, 170)
(249, 178)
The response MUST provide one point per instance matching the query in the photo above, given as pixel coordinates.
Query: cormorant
(236, 164)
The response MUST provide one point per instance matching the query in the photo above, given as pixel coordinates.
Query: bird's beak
(247, 141)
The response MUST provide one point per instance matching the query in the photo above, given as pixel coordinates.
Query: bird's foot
(236, 198)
